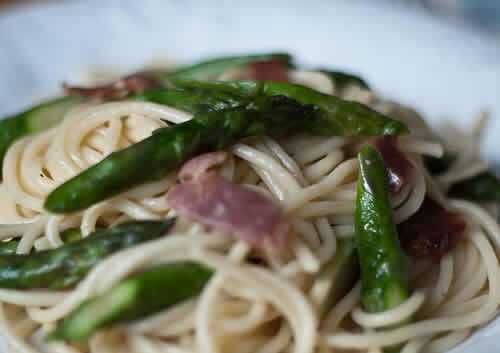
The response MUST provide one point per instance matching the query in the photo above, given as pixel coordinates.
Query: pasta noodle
(270, 308)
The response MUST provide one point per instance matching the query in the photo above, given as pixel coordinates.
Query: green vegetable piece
(340, 273)
(36, 119)
(482, 187)
(141, 295)
(9, 247)
(343, 79)
(193, 100)
(335, 117)
(384, 266)
(210, 69)
(168, 148)
(65, 266)
(69, 235)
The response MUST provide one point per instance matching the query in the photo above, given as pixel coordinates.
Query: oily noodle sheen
(270, 308)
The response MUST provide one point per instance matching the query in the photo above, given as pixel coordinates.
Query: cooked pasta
(258, 300)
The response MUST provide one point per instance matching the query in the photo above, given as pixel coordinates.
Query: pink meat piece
(123, 87)
(398, 166)
(214, 201)
(272, 70)
(193, 169)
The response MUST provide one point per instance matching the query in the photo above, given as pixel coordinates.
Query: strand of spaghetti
(11, 230)
(447, 342)
(411, 144)
(473, 287)
(245, 323)
(455, 175)
(319, 169)
(52, 231)
(31, 234)
(333, 318)
(417, 196)
(263, 161)
(10, 337)
(440, 290)
(470, 305)
(171, 322)
(480, 216)
(415, 345)
(287, 299)
(313, 79)
(470, 264)
(32, 297)
(285, 159)
(392, 316)
(325, 186)
(31, 163)
(328, 239)
(11, 181)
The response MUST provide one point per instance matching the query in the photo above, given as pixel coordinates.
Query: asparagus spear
(141, 295)
(165, 150)
(482, 187)
(36, 119)
(69, 235)
(384, 266)
(335, 116)
(343, 79)
(192, 100)
(66, 265)
(210, 69)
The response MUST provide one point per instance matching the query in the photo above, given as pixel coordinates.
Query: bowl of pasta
(193, 178)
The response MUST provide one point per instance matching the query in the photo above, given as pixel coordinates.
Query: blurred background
(482, 14)
(441, 56)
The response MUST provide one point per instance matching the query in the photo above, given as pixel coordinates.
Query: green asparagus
(65, 266)
(141, 295)
(168, 148)
(210, 69)
(69, 235)
(342, 79)
(193, 100)
(36, 119)
(482, 187)
(335, 116)
(384, 266)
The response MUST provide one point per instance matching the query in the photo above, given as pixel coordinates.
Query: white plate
(443, 70)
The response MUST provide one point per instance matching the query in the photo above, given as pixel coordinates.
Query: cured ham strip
(212, 200)
(398, 166)
(432, 231)
(272, 70)
(132, 84)
(196, 167)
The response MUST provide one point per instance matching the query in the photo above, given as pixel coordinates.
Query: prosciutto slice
(212, 200)
(272, 70)
(196, 167)
(398, 166)
(132, 84)
(432, 231)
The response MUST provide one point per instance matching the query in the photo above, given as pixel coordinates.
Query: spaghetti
(277, 305)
